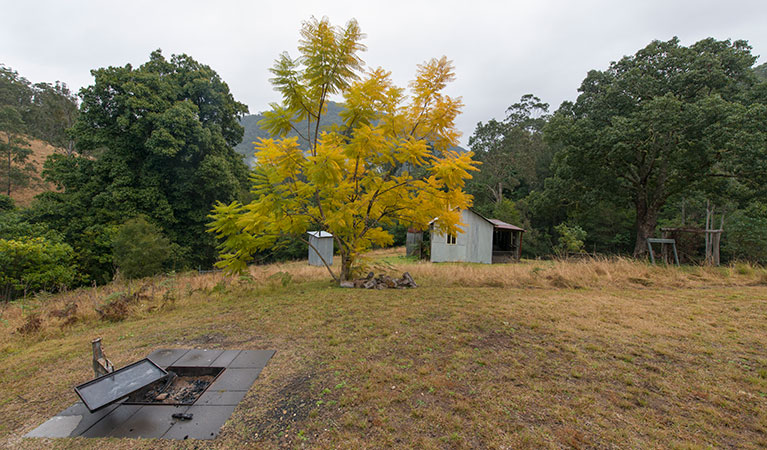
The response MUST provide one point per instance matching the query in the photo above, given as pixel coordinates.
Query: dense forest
(663, 138)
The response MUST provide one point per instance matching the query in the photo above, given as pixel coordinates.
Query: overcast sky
(501, 49)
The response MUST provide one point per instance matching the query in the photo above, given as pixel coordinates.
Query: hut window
(451, 238)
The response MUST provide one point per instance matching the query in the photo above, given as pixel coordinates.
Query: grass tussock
(47, 316)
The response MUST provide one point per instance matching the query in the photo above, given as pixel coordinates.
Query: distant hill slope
(40, 151)
(253, 131)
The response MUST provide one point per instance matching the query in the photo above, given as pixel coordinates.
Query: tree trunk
(646, 220)
(346, 267)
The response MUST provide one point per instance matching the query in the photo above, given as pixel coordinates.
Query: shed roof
(319, 234)
(495, 222)
(503, 225)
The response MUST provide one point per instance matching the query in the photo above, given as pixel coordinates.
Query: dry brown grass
(588, 358)
(586, 273)
(597, 272)
(40, 151)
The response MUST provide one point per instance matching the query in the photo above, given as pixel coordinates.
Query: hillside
(253, 131)
(567, 354)
(40, 151)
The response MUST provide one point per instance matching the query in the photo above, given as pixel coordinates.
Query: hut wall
(473, 244)
(325, 246)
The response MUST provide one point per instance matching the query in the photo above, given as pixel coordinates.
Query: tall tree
(15, 101)
(15, 169)
(511, 151)
(54, 112)
(389, 161)
(155, 140)
(653, 125)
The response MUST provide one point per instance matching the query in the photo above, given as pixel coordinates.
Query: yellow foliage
(390, 161)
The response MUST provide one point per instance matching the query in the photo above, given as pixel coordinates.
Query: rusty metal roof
(503, 225)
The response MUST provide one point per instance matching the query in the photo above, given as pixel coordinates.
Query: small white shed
(481, 240)
(323, 242)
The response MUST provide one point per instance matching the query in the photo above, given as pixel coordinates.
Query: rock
(347, 284)
(161, 397)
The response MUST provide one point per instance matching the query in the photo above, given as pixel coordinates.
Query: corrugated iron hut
(482, 240)
(322, 241)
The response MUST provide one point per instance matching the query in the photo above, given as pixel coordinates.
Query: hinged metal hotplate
(111, 387)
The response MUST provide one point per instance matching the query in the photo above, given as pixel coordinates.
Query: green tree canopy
(155, 140)
(512, 151)
(660, 122)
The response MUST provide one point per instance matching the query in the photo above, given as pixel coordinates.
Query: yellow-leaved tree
(390, 160)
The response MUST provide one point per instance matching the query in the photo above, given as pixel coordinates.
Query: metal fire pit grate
(215, 404)
(184, 388)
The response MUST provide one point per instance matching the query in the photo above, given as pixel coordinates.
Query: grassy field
(581, 354)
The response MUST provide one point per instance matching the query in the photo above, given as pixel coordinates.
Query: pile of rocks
(381, 282)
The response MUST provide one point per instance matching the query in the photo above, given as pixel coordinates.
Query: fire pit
(183, 387)
(208, 386)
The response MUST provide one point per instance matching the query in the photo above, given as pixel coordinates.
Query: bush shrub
(140, 249)
(571, 239)
(6, 203)
(33, 264)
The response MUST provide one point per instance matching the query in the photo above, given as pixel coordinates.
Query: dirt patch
(293, 403)
(206, 339)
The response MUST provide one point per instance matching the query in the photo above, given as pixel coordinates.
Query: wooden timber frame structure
(664, 249)
(713, 239)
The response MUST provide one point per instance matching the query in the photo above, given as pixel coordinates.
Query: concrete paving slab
(149, 422)
(221, 398)
(70, 423)
(252, 358)
(235, 379)
(210, 411)
(198, 357)
(225, 358)
(205, 424)
(105, 426)
(165, 357)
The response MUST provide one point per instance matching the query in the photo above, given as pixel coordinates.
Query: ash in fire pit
(183, 386)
